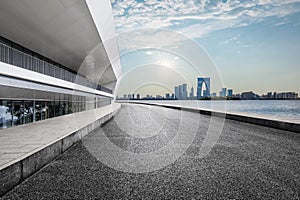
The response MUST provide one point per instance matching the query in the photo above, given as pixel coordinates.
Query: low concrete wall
(14, 174)
(273, 123)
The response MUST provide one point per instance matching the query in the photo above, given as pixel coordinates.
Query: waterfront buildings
(192, 93)
(203, 87)
(249, 96)
(213, 94)
(223, 92)
(229, 92)
(181, 92)
(184, 92)
(180, 97)
(281, 95)
(55, 59)
(176, 92)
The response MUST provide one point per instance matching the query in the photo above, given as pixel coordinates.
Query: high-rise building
(138, 96)
(180, 92)
(230, 93)
(45, 60)
(200, 83)
(192, 93)
(184, 91)
(177, 93)
(223, 92)
(269, 95)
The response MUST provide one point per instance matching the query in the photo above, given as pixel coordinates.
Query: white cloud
(197, 18)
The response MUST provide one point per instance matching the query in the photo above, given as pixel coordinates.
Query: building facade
(60, 59)
(176, 92)
(249, 96)
(192, 93)
(202, 93)
(223, 92)
(184, 92)
(230, 93)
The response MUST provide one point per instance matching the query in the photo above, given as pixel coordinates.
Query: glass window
(18, 113)
(57, 109)
(28, 112)
(44, 110)
(38, 111)
(5, 114)
(51, 106)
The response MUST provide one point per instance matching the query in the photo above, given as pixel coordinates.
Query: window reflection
(5, 114)
(28, 112)
(18, 112)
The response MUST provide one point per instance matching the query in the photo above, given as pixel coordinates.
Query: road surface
(247, 161)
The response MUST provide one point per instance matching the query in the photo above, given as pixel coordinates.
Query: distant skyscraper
(206, 92)
(180, 91)
(269, 95)
(230, 92)
(184, 91)
(192, 93)
(167, 96)
(138, 96)
(132, 96)
(176, 92)
(223, 92)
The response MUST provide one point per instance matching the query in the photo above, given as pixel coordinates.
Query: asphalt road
(155, 153)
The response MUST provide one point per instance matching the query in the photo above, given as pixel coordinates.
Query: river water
(283, 109)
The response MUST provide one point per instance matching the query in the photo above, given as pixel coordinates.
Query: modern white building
(56, 57)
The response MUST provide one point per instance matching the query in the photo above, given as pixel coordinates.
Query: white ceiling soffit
(62, 30)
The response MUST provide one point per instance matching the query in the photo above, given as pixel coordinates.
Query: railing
(18, 58)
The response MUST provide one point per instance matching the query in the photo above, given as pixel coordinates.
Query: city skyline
(161, 90)
(250, 95)
(183, 92)
(253, 44)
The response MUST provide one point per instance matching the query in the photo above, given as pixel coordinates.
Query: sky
(254, 45)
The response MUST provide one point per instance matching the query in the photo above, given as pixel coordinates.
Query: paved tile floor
(19, 141)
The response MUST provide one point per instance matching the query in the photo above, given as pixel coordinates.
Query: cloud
(198, 18)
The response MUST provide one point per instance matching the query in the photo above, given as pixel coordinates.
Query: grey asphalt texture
(247, 162)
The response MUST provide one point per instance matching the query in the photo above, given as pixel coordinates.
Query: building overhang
(64, 31)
